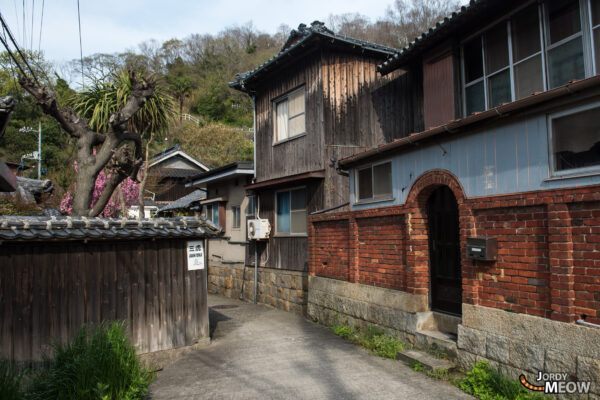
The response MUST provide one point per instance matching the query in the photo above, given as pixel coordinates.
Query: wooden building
(482, 232)
(318, 100)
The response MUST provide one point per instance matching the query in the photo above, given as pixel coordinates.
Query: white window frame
(572, 172)
(212, 207)
(290, 190)
(373, 198)
(586, 32)
(239, 219)
(276, 102)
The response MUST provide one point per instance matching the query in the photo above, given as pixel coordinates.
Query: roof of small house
(299, 38)
(224, 172)
(185, 201)
(19, 228)
(176, 151)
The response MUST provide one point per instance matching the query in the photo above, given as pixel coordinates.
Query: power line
(41, 24)
(12, 39)
(80, 44)
(32, 14)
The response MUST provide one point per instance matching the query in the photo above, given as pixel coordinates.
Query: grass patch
(416, 366)
(10, 381)
(487, 383)
(98, 364)
(373, 339)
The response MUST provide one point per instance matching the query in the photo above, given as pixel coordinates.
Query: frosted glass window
(576, 140)
(283, 212)
(365, 184)
(565, 63)
(499, 89)
(290, 115)
(475, 98)
(529, 77)
(235, 210)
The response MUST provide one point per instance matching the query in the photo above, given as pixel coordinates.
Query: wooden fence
(49, 289)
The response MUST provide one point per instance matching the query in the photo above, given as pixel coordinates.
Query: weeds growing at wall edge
(372, 339)
(487, 383)
(10, 381)
(97, 364)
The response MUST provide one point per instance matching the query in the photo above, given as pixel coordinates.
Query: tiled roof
(16, 228)
(185, 201)
(439, 30)
(299, 36)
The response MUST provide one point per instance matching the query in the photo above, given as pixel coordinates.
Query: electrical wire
(80, 43)
(12, 39)
(41, 24)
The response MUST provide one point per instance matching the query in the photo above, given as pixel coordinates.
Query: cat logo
(556, 383)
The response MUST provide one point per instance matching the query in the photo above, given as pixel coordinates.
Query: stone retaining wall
(401, 314)
(282, 289)
(521, 343)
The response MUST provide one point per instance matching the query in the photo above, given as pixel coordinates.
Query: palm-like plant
(153, 118)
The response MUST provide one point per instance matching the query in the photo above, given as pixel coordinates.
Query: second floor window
(538, 48)
(212, 213)
(235, 211)
(289, 115)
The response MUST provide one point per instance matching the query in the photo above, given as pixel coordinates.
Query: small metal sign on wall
(195, 254)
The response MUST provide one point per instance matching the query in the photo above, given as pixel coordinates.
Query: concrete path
(263, 353)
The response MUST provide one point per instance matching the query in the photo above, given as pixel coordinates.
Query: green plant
(10, 381)
(487, 383)
(98, 363)
(416, 366)
(372, 339)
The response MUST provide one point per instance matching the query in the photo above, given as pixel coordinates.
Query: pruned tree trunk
(111, 150)
(122, 201)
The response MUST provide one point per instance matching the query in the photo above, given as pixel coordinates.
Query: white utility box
(258, 229)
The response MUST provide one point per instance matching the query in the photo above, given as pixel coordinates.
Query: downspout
(255, 197)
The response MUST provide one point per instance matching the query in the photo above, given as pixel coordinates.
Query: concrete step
(430, 363)
(435, 340)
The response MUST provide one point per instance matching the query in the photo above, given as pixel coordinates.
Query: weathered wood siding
(439, 89)
(48, 290)
(299, 154)
(364, 109)
(285, 252)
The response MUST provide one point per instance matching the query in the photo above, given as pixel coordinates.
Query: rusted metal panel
(438, 90)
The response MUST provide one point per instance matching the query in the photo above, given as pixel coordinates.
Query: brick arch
(418, 278)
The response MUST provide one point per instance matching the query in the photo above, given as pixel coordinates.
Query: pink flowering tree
(114, 207)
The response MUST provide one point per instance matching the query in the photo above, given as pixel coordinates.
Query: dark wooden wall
(48, 290)
(300, 154)
(285, 252)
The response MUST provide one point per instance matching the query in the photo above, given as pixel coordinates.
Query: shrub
(487, 383)
(96, 364)
(10, 381)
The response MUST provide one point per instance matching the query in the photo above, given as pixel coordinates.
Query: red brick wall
(548, 248)
(380, 251)
(329, 257)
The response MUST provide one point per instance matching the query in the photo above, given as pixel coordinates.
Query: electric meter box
(483, 249)
(258, 229)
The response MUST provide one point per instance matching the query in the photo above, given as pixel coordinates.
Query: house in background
(318, 100)
(482, 232)
(168, 172)
(8, 180)
(228, 207)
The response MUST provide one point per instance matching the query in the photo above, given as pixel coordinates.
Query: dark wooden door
(444, 251)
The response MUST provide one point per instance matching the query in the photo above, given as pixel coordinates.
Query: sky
(110, 26)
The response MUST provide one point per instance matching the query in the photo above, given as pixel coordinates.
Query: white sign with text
(195, 254)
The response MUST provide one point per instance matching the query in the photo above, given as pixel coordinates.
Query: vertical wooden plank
(39, 298)
(153, 315)
(179, 294)
(163, 284)
(137, 297)
(189, 301)
(8, 264)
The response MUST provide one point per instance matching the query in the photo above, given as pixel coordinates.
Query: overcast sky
(109, 26)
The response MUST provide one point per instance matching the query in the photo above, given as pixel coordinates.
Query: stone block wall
(282, 289)
(524, 344)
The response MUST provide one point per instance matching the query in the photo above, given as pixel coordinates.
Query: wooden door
(444, 252)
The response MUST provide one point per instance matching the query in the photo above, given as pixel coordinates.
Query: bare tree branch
(141, 90)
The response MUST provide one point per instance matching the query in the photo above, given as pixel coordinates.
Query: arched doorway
(444, 251)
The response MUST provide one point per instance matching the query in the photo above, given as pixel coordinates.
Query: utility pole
(39, 152)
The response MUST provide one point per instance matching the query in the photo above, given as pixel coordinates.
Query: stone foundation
(282, 289)
(524, 344)
(401, 314)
